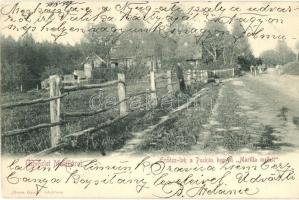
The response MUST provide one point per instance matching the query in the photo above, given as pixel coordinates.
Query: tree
(281, 55)
(100, 40)
(241, 50)
(297, 48)
(27, 53)
(178, 46)
(270, 57)
(216, 42)
(26, 62)
(136, 42)
(241, 44)
(285, 53)
(132, 42)
(187, 47)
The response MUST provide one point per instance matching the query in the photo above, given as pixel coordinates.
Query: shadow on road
(269, 140)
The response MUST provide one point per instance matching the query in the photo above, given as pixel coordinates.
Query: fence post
(206, 76)
(122, 94)
(55, 85)
(153, 65)
(233, 72)
(154, 99)
(189, 77)
(169, 84)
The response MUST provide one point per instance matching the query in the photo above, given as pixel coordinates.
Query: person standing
(180, 76)
(251, 69)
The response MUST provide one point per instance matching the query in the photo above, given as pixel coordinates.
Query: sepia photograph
(106, 79)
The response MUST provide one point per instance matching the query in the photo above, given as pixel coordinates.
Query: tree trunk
(180, 76)
(214, 55)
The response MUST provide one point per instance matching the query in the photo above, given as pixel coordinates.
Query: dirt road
(251, 114)
(254, 113)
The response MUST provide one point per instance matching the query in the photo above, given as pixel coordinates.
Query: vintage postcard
(150, 99)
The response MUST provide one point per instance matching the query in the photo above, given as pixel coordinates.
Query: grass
(115, 136)
(22, 117)
(237, 131)
(104, 140)
(233, 131)
(183, 129)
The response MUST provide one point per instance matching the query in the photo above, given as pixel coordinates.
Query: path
(254, 113)
(251, 114)
(130, 146)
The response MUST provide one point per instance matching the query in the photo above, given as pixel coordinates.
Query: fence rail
(91, 86)
(50, 150)
(32, 128)
(136, 94)
(93, 129)
(57, 91)
(85, 114)
(32, 102)
(223, 73)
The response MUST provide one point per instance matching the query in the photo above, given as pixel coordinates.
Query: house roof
(95, 58)
(122, 58)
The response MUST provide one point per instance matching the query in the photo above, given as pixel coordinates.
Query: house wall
(45, 84)
(87, 70)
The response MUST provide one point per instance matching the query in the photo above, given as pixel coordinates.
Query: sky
(287, 23)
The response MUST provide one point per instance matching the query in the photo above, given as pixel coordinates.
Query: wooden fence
(57, 91)
(223, 73)
(195, 75)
